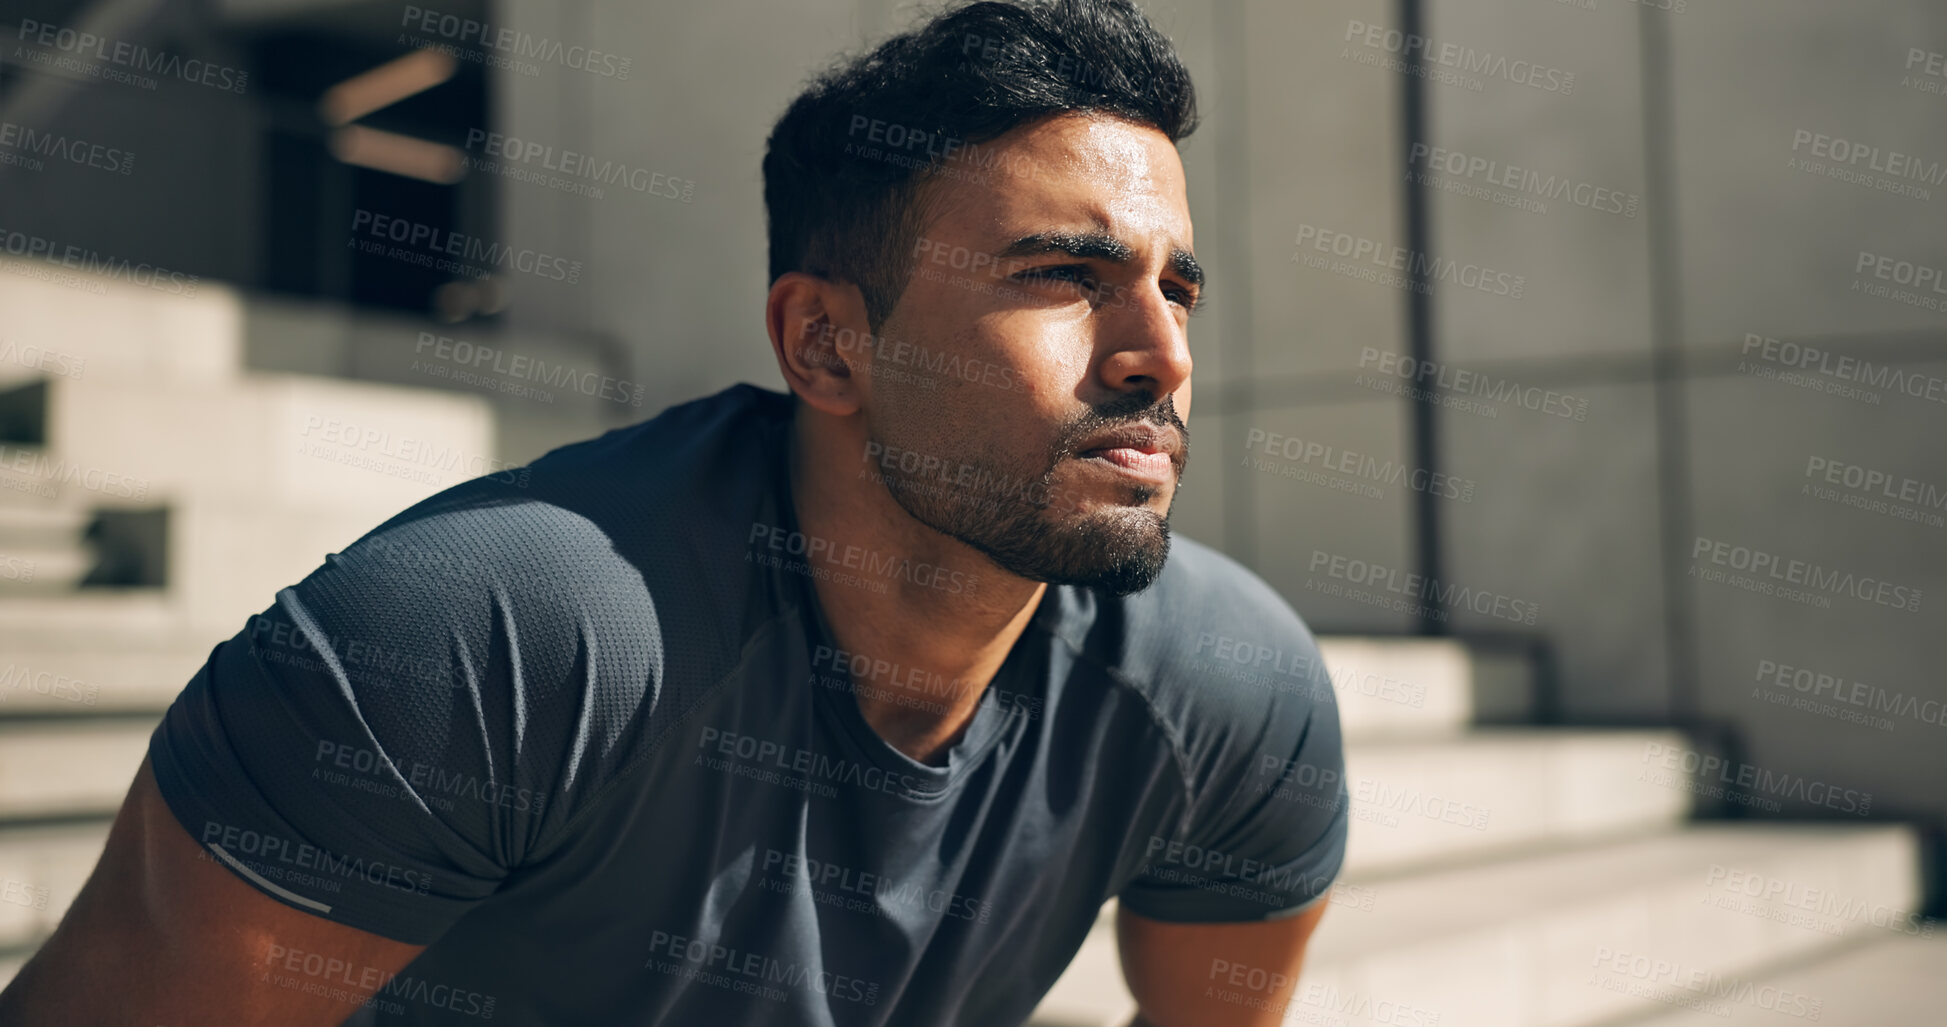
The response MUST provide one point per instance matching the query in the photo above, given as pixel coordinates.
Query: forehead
(1069, 170)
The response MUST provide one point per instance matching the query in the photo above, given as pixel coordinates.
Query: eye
(1191, 300)
(1073, 274)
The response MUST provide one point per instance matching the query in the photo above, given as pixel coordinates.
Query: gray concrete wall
(1577, 516)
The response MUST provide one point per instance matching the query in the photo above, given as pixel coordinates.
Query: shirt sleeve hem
(173, 780)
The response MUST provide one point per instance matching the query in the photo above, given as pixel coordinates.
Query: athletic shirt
(581, 728)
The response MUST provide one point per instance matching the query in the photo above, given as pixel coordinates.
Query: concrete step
(17, 489)
(1893, 980)
(1561, 939)
(41, 525)
(266, 440)
(262, 475)
(1557, 940)
(44, 679)
(69, 767)
(117, 329)
(1422, 803)
(49, 569)
(1423, 687)
(95, 618)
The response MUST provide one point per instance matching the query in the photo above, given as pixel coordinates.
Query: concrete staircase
(1892, 980)
(154, 494)
(1571, 889)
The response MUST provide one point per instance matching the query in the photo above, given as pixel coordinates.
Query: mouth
(1141, 450)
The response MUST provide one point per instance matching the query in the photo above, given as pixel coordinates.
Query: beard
(1027, 527)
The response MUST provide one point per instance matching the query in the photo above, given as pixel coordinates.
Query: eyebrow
(1097, 245)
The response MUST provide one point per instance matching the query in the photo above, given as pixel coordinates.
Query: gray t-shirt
(581, 729)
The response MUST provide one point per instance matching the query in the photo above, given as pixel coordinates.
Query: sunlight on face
(1052, 289)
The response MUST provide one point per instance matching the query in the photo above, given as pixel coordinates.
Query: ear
(820, 336)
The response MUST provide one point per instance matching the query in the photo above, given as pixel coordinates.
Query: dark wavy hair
(845, 165)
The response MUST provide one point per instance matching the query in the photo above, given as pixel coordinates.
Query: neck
(946, 612)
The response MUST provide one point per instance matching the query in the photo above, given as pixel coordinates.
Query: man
(845, 707)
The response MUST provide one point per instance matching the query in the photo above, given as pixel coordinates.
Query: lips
(1139, 449)
(1137, 438)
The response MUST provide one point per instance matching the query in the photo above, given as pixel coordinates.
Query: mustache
(1131, 409)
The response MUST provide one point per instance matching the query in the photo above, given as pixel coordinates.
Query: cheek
(1182, 401)
(1048, 368)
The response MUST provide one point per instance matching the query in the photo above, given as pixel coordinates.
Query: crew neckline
(839, 707)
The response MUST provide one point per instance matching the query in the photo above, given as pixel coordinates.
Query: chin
(1118, 550)
(1116, 544)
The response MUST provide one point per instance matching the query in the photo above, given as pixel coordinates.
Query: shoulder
(1227, 665)
(548, 598)
(1210, 634)
(489, 635)
(697, 436)
(1233, 674)
(599, 540)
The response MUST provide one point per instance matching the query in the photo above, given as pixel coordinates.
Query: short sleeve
(1266, 835)
(397, 733)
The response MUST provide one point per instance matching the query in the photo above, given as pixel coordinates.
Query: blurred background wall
(1665, 398)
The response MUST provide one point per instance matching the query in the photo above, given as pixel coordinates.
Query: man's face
(1048, 307)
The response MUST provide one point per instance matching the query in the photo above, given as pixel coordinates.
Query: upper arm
(1213, 925)
(162, 934)
(399, 733)
(368, 760)
(1266, 835)
(1213, 975)
(1232, 907)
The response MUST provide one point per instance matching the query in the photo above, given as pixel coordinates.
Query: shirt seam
(653, 745)
(1178, 757)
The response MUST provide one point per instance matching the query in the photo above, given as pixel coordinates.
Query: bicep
(1214, 974)
(161, 933)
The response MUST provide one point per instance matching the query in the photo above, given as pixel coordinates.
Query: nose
(1146, 348)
